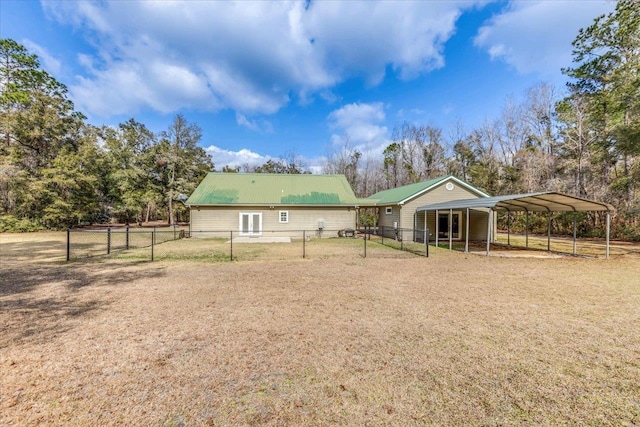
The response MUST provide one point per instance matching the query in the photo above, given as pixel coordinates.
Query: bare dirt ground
(450, 339)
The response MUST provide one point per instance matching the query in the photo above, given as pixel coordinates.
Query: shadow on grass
(23, 277)
(33, 250)
(40, 300)
(39, 320)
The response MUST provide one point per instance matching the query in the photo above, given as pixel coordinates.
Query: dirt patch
(450, 339)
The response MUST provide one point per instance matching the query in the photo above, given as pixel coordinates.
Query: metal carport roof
(547, 201)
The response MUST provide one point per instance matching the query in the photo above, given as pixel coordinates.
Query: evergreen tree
(179, 163)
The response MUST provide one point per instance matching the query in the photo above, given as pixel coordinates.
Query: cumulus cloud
(252, 57)
(536, 36)
(222, 157)
(359, 125)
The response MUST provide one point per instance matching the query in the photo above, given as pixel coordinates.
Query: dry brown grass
(452, 339)
(585, 247)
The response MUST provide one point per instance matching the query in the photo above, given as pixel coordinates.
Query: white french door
(250, 223)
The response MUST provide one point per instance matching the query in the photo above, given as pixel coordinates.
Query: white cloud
(242, 120)
(247, 56)
(360, 125)
(222, 157)
(536, 36)
(261, 125)
(49, 62)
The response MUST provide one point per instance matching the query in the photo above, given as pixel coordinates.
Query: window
(283, 218)
(388, 210)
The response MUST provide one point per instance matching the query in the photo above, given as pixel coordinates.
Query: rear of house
(397, 210)
(270, 204)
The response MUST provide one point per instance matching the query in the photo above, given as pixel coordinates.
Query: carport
(548, 201)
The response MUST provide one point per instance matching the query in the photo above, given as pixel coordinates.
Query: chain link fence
(124, 242)
(178, 243)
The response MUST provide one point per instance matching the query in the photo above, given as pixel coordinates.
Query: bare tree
(344, 161)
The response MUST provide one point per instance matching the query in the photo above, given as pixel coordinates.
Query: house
(271, 204)
(289, 205)
(397, 209)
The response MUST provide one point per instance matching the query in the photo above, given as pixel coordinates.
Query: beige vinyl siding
(437, 195)
(215, 219)
(388, 220)
(205, 219)
(478, 225)
(440, 194)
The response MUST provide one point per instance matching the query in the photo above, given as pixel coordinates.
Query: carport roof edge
(546, 201)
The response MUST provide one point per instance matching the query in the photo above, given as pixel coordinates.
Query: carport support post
(549, 231)
(575, 226)
(508, 228)
(450, 228)
(608, 229)
(437, 226)
(425, 220)
(526, 229)
(466, 241)
(489, 222)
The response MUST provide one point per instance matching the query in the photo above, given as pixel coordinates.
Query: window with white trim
(388, 210)
(283, 217)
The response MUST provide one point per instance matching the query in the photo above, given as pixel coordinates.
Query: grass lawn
(335, 340)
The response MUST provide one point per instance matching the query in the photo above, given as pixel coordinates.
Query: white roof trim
(453, 178)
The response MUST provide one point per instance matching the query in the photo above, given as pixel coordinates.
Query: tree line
(584, 142)
(56, 170)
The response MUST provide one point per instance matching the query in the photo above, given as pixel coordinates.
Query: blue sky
(264, 78)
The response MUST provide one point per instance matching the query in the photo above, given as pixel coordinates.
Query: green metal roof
(273, 189)
(366, 202)
(396, 195)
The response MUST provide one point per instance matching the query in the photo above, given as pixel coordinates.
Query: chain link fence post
(365, 244)
(126, 243)
(153, 238)
(68, 244)
(108, 240)
(231, 241)
(304, 243)
(426, 243)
